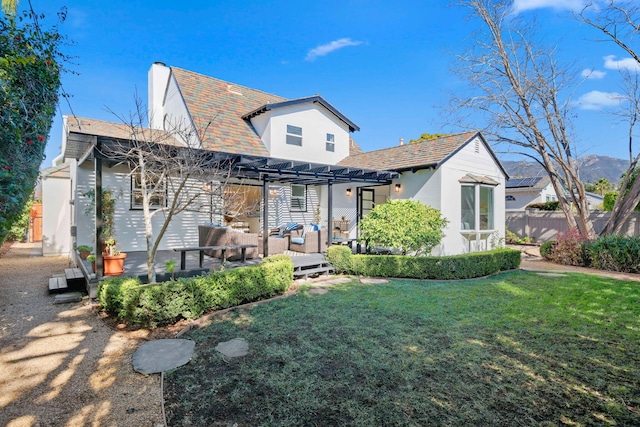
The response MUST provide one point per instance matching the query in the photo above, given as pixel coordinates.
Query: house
(297, 158)
(521, 192)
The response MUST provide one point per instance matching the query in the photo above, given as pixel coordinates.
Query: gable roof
(538, 182)
(223, 105)
(430, 153)
(316, 99)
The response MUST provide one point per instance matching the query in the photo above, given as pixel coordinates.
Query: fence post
(527, 228)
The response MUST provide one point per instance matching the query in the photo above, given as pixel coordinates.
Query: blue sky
(385, 65)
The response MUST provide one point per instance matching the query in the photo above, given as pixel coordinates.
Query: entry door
(366, 202)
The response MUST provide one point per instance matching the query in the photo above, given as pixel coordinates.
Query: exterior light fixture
(273, 192)
(348, 192)
(398, 188)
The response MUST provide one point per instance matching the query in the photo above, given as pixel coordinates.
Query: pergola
(260, 169)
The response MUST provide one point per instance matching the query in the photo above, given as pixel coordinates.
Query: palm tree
(602, 186)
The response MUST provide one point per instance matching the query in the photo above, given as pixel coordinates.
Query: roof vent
(401, 141)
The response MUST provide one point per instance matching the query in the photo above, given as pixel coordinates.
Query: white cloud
(591, 74)
(327, 48)
(522, 5)
(596, 100)
(621, 64)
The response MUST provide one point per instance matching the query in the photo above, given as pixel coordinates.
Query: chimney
(401, 141)
(158, 79)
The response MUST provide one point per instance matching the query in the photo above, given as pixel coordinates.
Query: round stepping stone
(236, 347)
(317, 291)
(161, 355)
(373, 281)
(551, 274)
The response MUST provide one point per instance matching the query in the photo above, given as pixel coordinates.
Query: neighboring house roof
(59, 171)
(535, 183)
(222, 105)
(316, 99)
(354, 148)
(417, 155)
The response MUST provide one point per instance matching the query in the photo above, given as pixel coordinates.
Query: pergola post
(97, 163)
(329, 212)
(265, 216)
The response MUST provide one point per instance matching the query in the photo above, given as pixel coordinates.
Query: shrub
(512, 237)
(615, 253)
(546, 249)
(545, 206)
(340, 257)
(465, 266)
(570, 248)
(189, 298)
(406, 225)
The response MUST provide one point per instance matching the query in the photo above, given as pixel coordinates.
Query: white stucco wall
(56, 216)
(526, 196)
(316, 122)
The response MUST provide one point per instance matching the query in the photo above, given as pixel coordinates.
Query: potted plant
(113, 259)
(92, 259)
(84, 251)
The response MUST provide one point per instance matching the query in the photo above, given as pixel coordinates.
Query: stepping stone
(373, 281)
(237, 347)
(67, 298)
(551, 274)
(332, 282)
(161, 355)
(317, 291)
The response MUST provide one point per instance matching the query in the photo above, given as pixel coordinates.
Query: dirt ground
(61, 365)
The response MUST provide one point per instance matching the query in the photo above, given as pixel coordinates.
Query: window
(331, 146)
(477, 207)
(158, 198)
(298, 197)
(294, 135)
(551, 198)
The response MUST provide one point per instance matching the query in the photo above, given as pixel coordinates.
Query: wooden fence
(542, 226)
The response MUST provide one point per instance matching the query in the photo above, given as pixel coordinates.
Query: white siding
(129, 223)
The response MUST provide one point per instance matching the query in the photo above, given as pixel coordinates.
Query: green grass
(514, 349)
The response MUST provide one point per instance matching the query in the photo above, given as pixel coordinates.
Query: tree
(619, 22)
(426, 136)
(517, 84)
(602, 186)
(172, 175)
(10, 7)
(30, 67)
(406, 225)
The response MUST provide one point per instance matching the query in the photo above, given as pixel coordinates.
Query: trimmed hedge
(465, 266)
(189, 298)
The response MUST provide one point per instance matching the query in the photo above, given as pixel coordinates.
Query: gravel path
(61, 365)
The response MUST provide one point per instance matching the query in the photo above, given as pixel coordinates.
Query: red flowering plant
(29, 86)
(570, 249)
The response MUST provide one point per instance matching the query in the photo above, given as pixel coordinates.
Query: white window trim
(476, 209)
(330, 143)
(303, 198)
(138, 189)
(292, 133)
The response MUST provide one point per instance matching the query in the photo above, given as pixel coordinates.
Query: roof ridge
(395, 147)
(228, 82)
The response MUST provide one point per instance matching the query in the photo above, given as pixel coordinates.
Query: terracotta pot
(93, 267)
(114, 264)
(84, 254)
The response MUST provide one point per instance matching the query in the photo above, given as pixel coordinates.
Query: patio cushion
(298, 240)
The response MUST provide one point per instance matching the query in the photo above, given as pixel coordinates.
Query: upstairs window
(156, 189)
(331, 146)
(477, 207)
(298, 198)
(294, 135)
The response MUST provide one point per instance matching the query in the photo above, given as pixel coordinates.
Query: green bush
(547, 248)
(570, 248)
(615, 253)
(406, 225)
(465, 266)
(340, 258)
(545, 206)
(188, 298)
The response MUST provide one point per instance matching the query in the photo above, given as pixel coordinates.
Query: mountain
(592, 168)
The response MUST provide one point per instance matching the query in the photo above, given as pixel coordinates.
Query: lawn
(514, 349)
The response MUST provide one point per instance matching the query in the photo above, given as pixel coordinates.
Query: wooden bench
(223, 249)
